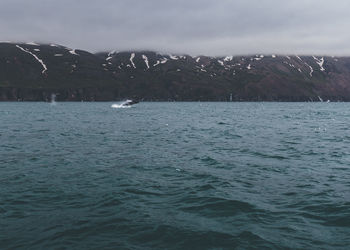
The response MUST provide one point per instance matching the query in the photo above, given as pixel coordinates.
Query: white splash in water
(125, 104)
(53, 100)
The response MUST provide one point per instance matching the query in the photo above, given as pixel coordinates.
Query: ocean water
(175, 176)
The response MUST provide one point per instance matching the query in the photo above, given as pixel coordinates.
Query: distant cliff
(32, 72)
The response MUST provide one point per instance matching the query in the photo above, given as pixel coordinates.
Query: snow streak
(146, 60)
(132, 56)
(36, 58)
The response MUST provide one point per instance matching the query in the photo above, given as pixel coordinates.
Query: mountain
(33, 72)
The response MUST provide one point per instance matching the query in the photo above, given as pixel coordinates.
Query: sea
(174, 175)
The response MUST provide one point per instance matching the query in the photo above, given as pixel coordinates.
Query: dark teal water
(175, 176)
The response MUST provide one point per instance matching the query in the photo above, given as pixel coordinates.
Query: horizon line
(53, 44)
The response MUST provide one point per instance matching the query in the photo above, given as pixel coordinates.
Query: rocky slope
(32, 72)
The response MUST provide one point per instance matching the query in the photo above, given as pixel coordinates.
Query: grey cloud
(193, 26)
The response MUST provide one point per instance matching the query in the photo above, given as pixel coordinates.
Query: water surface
(175, 176)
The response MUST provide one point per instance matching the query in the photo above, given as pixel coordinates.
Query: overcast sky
(210, 27)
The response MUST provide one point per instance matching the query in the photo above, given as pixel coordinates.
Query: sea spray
(125, 104)
(53, 99)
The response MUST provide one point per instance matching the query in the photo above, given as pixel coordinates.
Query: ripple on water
(216, 207)
(174, 176)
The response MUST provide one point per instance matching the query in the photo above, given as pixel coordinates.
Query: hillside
(32, 72)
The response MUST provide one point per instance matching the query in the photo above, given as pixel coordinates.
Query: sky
(195, 27)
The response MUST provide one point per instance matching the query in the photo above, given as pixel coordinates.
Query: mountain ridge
(33, 72)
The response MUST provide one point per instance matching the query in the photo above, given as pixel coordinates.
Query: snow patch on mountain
(146, 61)
(132, 56)
(320, 62)
(158, 62)
(111, 53)
(36, 58)
(311, 69)
(72, 51)
(173, 57)
(164, 60)
(228, 58)
(290, 64)
(32, 43)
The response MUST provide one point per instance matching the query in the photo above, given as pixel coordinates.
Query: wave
(217, 207)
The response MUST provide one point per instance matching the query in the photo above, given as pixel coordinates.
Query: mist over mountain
(33, 72)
